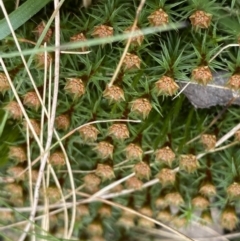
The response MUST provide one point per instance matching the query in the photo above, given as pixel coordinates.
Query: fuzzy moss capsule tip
(200, 19)
(166, 86)
(158, 18)
(104, 150)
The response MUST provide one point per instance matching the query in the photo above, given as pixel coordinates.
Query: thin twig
(30, 174)
(110, 186)
(223, 48)
(75, 53)
(128, 43)
(128, 191)
(17, 4)
(129, 210)
(72, 132)
(228, 135)
(188, 83)
(45, 183)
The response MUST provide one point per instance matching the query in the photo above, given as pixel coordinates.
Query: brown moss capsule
(166, 86)
(14, 189)
(126, 221)
(40, 60)
(141, 107)
(206, 218)
(179, 221)
(145, 223)
(97, 238)
(188, 163)
(161, 203)
(202, 75)
(200, 202)
(164, 215)
(59, 233)
(117, 188)
(57, 159)
(114, 94)
(16, 201)
(62, 122)
(91, 182)
(102, 31)
(105, 211)
(137, 40)
(200, 19)
(31, 100)
(234, 82)
(15, 172)
(53, 220)
(75, 87)
(6, 217)
(126, 213)
(237, 136)
(17, 153)
(89, 133)
(35, 175)
(131, 62)
(40, 28)
(166, 177)
(105, 172)
(104, 150)
(35, 125)
(229, 218)
(233, 190)
(118, 131)
(146, 210)
(158, 18)
(53, 194)
(134, 183)
(174, 198)
(165, 155)
(14, 110)
(208, 189)
(92, 179)
(209, 141)
(95, 229)
(134, 152)
(142, 170)
(82, 211)
(4, 84)
(80, 37)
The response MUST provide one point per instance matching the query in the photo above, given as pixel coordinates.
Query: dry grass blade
(222, 49)
(128, 43)
(128, 191)
(138, 214)
(52, 119)
(73, 131)
(110, 186)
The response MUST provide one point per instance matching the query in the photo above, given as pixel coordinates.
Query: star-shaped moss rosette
(202, 75)
(200, 19)
(158, 18)
(166, 86)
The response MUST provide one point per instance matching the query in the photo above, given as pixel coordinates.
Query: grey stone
(215, 93)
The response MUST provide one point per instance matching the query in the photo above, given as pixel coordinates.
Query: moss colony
(174, 165)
